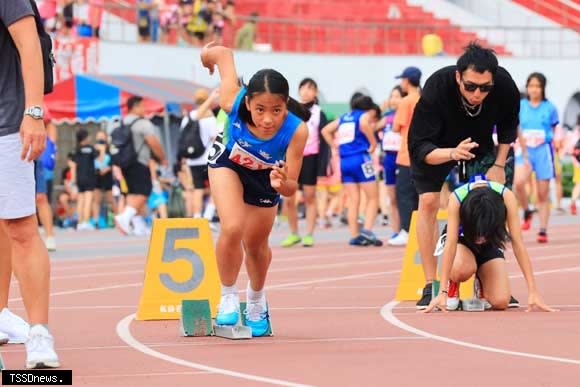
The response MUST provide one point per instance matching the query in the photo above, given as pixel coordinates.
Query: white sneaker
(123, 224)
(40, 349)
(50, 243)
(400, 240)
(3, 339)
(14, 327)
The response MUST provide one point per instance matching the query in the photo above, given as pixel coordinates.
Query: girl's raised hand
(206, 59)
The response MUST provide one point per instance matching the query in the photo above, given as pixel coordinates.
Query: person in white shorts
(22, 140)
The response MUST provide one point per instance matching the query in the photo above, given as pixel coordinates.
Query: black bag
(577, 150)
(123, 153)
(190, 145)
(46, 47)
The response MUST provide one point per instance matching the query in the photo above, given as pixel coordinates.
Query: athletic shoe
(371, 237)
(123, 224)
(14, 327)
(257, 317)
(401, 239)
(542, 237)
(40, 349)
(228, 310)
(3, 338)
(453, 300)
(50, 243)
(440, 245)
(359, 240)
(527, 220)
(425, 300)
(513, 303)
(573, 209)
(291, 240)
(478, 292)
(308, 241)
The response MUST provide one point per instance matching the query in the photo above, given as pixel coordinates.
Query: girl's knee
(499, 302)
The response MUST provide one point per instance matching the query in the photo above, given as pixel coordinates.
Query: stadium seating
(562, 12)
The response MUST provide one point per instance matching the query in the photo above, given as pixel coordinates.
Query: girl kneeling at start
(257, 159)
(476, 236)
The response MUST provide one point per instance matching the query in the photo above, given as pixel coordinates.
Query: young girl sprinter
(257, 159)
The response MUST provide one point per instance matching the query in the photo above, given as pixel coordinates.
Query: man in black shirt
(453, 124)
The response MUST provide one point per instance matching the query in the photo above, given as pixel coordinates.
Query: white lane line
(124, 333)
(89, 290)
(388, 315)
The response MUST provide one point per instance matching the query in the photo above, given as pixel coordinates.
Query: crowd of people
(186, 22)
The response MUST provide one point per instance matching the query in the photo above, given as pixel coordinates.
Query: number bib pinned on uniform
(391, 141)
(247, 160)
(346, 132)
(534, 137)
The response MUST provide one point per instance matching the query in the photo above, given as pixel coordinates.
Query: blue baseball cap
(412, 73)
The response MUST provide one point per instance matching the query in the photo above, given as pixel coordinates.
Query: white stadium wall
(337, 75)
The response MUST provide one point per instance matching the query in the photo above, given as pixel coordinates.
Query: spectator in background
(48, 13)
(96, 16)
(407, 197)
(148, 20)
(138, 176)
(48, 157)
(574, 148)
(246, 35)
(83, 174)
(208, 133)
(43, 207)
(104, 180)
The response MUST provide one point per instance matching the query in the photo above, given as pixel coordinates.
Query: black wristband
(499, 166)
(444, 291)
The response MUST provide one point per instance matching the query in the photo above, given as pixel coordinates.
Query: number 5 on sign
(181, 265)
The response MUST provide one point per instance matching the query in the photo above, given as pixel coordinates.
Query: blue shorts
(541, 159)
(257, 189)
(39, 178)
(390, 167)
(357, 168)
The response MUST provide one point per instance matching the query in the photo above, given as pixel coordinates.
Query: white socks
(254, 296)
(229, 289)
(129, 213)
(209, 211)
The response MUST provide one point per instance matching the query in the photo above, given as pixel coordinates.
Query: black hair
(366, 103)
(400, 90)
(415, 82)
(132, 101)
(540, 78)
(578, 120)
(354, 97)
(477, 58)
(82, 135)
(271, 81)
(483, 214)
(308, 81)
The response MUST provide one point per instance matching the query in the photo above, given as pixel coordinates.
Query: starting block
(196, 318)
(196, 321)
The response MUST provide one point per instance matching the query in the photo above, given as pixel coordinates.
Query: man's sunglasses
(471, 87)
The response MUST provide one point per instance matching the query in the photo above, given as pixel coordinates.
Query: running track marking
(389, 316)
(124, 333)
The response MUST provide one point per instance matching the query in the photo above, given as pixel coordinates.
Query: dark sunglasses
(471, 87)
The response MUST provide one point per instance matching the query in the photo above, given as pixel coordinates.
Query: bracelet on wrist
(445, 291)
(499, 166)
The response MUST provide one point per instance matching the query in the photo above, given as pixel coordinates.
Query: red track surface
(331, 317)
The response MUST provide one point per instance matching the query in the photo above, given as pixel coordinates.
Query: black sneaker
(425, 300)
(513, 303)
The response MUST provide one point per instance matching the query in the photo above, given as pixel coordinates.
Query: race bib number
(247, 160)
(368, 169)
(217, 149)
(534, 137)
(391, 141)
(346, 133)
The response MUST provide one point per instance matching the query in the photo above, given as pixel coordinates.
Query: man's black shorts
(138, 179)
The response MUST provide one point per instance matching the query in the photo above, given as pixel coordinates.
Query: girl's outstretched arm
(513, 221)
(223, 58)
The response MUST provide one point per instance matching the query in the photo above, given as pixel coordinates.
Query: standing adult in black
(453, 123)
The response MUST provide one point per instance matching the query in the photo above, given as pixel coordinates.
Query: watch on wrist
(35, 112)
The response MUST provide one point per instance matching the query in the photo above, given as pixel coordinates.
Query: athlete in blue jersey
(357, 142)
(476, 235)
(258, 158)
(538, 119)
